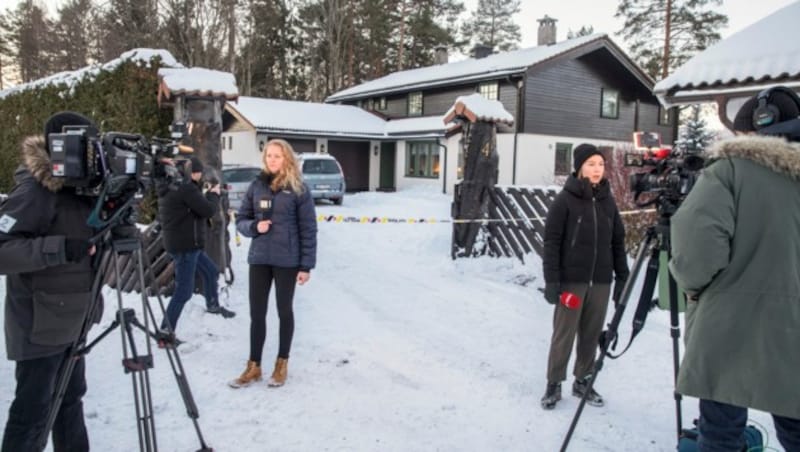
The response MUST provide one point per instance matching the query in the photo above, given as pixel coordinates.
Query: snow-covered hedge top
(72, 78)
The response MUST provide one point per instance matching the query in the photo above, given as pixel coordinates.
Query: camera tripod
(656, 242)
(113, 242)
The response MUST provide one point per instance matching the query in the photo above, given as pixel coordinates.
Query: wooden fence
(517, 217)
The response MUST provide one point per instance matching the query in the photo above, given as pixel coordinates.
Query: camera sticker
(7, 222)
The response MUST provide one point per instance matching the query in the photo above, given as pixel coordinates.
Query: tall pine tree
(693, 26)
(695, 136)
(30, 33)
(492, 24)
(73, 30)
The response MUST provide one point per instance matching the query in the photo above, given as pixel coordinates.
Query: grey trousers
(586, 322)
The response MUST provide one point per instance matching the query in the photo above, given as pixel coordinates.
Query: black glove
(76, 250)
(552, 292)
(619, 284)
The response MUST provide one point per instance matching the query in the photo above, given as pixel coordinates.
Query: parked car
(236, 179)
(323, 175)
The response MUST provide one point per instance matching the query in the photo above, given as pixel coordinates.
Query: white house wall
(244, 150)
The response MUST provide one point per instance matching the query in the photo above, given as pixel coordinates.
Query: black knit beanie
(582, 153)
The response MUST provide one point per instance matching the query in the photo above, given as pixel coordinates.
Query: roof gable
(493, 66)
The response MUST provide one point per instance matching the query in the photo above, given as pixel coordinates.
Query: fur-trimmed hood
(36, 160)
(774, 153)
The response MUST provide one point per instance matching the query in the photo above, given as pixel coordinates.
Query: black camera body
(116, 167)
(671, 177)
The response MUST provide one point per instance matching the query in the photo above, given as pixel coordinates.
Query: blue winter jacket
(291, 240)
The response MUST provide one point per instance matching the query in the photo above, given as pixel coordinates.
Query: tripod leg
(174, 360)
(609, 336)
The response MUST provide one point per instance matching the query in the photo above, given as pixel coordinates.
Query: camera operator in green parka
(736, 252)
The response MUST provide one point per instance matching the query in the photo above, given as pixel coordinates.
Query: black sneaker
(217, 309)
(166, 339)
(551, 396)
(579, 389)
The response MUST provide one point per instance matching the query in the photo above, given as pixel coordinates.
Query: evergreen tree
(129, 24)
(427, 24)
(693, 26)
(584, 31)
(266, 48)
(196, 31)
(30, 34)
(6, 54)
(72, 31)
(492, 24)
(694, 136)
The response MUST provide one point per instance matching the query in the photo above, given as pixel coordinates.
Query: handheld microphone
(265, 208)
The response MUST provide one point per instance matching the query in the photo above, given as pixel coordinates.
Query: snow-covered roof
(309, 118)
(478, 108)
(197, 81)
(416, 126)
(495, 65)
(72, 78)
(765, 53)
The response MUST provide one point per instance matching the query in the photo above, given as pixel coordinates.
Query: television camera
(116, 167)
(672, 172)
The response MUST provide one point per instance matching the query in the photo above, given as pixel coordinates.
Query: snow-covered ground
(397, 348)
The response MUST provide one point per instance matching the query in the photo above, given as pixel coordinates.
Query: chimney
(481, 51)
(440, 55)
(547, 31)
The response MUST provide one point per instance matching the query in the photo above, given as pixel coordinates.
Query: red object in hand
(570, 300)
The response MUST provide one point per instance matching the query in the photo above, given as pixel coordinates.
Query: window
(664, 116)
(223, 143)
(370, 104)
(230, 142)
(563, 159)
(415, 104)
(609, 103)
(320, 166)
(489, 90)
(422, 159)
(382, 103)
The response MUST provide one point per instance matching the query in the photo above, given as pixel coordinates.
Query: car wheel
(338, 201)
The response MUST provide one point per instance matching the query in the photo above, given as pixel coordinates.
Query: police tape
(392, 220)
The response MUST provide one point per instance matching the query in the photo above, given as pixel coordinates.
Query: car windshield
(233, 176)
(320, 166)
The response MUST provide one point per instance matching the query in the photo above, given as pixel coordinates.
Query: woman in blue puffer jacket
(278, 213)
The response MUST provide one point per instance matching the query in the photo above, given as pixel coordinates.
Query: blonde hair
(289, 176)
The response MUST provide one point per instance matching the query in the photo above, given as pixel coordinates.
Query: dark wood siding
(648, 122)
(436, 101)
(354, 158)
(563, 99)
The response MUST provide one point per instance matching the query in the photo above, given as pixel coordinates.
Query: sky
(397, 348)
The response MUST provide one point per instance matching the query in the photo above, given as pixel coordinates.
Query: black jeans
(261, 277)
(36, 381)
(722, 426)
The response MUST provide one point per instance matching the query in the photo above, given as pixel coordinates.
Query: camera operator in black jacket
(45, 255)
(184, 212)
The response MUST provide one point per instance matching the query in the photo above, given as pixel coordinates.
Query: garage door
(354, 158)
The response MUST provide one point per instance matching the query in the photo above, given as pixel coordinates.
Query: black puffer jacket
(584, 238)
(47, 298)
(184, 212)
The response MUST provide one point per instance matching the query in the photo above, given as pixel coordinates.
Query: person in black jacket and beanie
(278, 213)
(584, 246)
(184, 212)
(45, 255)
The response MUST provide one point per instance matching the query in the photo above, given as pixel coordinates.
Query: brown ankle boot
(280, 373)
(251, 374)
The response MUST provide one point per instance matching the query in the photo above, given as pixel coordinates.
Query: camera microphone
(265, 208)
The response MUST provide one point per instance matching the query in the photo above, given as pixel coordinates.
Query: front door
(387, 164)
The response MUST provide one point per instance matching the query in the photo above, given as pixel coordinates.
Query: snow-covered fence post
(198, 98)
(479, 117)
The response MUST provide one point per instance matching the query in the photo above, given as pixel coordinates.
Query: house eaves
(764, 54)
(494, 66)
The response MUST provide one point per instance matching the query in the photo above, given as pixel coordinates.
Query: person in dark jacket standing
(584, 247)
(278, 213)
(736, 254)
(45, 255)
(184, 211)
